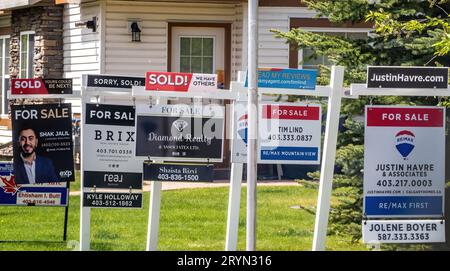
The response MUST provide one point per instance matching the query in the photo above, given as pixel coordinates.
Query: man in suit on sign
(31, 168)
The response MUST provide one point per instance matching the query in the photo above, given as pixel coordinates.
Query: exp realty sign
(404, 161)
(180, 132)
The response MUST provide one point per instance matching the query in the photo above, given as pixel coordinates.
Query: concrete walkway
(191, 185)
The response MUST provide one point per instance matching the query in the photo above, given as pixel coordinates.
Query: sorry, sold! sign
(404, 160)
(183, 82)
(290, 134)
(403, 231)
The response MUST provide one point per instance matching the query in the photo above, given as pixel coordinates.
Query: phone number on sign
(289, 137)
(403, 236)
(113, 203)
(403, 183)
(177, 177)
(113, 151)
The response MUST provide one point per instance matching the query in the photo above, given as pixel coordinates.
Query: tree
(410, 33)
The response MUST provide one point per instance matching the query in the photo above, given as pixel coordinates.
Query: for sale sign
(289, 134)
(39, 86)
(42, 137)
(109, 139)
(177, 81)
(404, 160)
(403, 231)
(180, 132)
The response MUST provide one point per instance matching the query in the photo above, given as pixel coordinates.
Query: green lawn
(191, 219)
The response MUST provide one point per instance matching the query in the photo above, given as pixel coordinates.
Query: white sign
(289, 134)
(403, 231)
(404, 161)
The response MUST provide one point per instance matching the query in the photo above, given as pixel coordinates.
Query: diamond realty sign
(404, 161)
(180, 132)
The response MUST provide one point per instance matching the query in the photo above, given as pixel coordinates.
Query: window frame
(29, 72)
(202, 37)
(5, 75)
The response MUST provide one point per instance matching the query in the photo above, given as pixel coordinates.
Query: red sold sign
(176, 81)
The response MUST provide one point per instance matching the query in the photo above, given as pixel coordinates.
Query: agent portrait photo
(29, 167)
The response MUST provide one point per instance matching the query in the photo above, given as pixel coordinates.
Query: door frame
(227, 45)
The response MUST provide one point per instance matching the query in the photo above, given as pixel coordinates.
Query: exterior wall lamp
(92, 24)
(135, 32)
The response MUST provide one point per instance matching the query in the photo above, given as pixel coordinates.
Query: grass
(191, 219)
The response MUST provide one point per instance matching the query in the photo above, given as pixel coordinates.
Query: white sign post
(334, 92)
(96, 88)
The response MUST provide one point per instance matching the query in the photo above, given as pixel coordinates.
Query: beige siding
(82, 47)
(5, 20)
(135, 58)
(274, 52)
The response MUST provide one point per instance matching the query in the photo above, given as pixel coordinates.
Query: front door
(198, 50)
(203, 48)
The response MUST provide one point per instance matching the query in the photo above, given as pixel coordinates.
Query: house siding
(81, 46)
(151, 52)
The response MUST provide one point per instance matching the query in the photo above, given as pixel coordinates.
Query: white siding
(82, 47)
(135, 58)
(273, 52)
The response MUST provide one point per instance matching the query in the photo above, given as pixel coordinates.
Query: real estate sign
(404, 161)
(112, 177)
(44, 194)
(180, 132)
(403, 231)
(289, 134)
(407, 77)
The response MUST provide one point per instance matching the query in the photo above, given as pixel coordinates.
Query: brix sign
(183, 82)
(39, 86)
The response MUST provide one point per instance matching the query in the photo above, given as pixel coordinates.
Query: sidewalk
(218, 183)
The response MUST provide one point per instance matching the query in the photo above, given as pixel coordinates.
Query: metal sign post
(252, 105)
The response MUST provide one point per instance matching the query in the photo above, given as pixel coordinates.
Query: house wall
(151, 52)
(81, 46)
(273, 52)
(45, 21)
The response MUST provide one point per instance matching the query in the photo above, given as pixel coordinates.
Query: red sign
(168, 81)
(404, 117)
(38, 86)
(177, 81)
(291, 112)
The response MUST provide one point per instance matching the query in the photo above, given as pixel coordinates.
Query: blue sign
(290, 153)
(48, 194)
(286, 78)
(403, 205)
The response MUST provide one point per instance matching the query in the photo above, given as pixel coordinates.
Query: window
(26, 55)
(4, 73)
(313, 63)
(197, 54)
